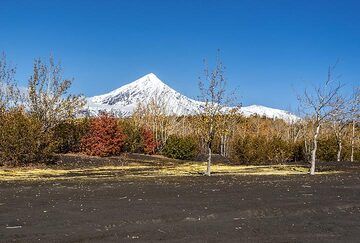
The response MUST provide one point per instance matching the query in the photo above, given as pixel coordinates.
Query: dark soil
(298, 208)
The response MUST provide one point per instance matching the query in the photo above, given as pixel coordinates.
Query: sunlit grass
(137, 170)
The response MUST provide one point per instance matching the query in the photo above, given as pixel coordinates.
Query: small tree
(319, 105)
(105, 137)
(215, 102)
(48, 97)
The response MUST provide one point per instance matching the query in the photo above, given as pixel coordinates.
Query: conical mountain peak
(124, 100)
(150, 78)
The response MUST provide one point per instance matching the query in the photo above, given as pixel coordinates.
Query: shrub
(68, 135)
(180, 147)
(357, 154)
(298, 151)
(105, 137)
(327, 149)
(279, 150)
(138, 139)
(22, 140)
(148, 142)
(260, 150)
(249, 150)
(132, 141)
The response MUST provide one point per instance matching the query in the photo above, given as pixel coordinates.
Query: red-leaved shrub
(105, 137)
(148, 141)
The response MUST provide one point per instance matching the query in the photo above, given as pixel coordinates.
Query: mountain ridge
(124, 100)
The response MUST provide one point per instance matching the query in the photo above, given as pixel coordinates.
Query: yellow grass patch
(137, 170)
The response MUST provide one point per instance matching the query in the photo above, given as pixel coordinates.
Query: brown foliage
(68, 135)
(21, 139)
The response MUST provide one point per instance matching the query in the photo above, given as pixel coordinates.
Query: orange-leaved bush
(148, 141)
(105, 137)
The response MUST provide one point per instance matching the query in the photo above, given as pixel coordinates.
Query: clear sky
(270, 48)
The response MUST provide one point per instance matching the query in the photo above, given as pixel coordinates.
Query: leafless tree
(226, 129)
(339, 121)
(155, 115)
(10, 95)
(319, 105)
(215, 103)
(48, 97)
(355, 117)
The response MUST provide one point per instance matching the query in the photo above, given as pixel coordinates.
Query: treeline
(43, 120)
(252, 140)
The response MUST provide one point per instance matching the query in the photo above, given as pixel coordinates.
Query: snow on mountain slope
(268, 112)
(124, 100)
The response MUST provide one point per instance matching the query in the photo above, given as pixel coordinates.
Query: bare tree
(355, 117)
(215, 102)
(10, 95)
(48, 99)
(226, 129)
(155, 115)
(339, 120)
(319, 105)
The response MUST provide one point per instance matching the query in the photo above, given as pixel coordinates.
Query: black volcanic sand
(294, 208)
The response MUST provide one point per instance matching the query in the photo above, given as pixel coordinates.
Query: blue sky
(272, 49)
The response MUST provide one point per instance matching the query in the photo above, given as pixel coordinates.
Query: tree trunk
(352, 141)
(208, 167)
(225, 147)
(222, 145)
(339, 150)
(313, 152)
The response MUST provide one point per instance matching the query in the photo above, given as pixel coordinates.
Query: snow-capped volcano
(124, 100)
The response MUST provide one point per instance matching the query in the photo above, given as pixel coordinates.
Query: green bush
(327, 149)
(279, 150)
(298, 151)
(357, 154)
(184, 148)
(133, 143)
(22, 140)
(68, 135)
(260, 150)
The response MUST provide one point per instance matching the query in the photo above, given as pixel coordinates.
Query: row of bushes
(108, 136)
(258, 150)
(22, 141)
(103, 136)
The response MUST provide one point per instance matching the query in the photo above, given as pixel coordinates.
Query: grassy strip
(107, 172)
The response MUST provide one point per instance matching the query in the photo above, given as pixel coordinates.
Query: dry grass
(137, 170)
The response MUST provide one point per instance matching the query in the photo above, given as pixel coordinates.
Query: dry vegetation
(139, 166)
(37, 125)
(137, 170)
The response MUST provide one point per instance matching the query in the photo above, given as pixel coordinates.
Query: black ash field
(110, 206)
